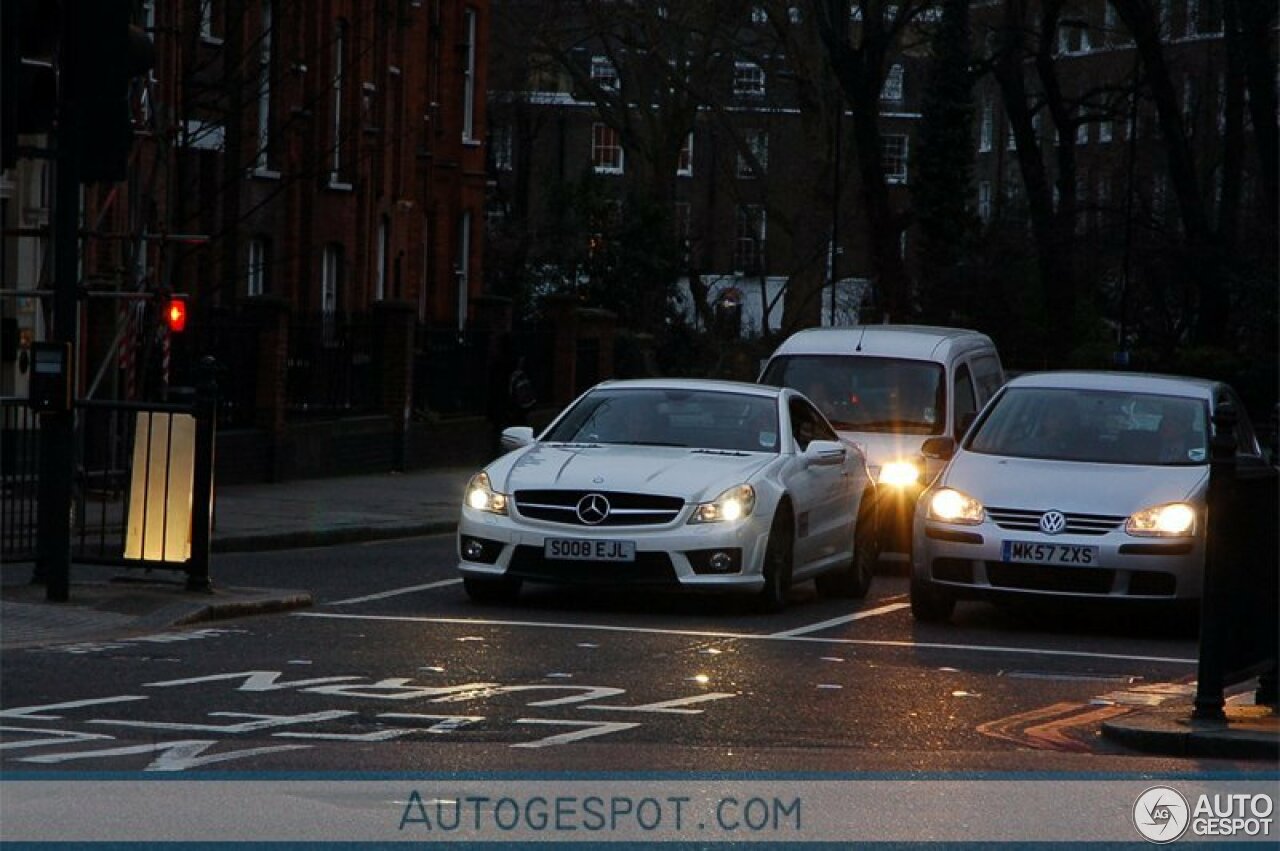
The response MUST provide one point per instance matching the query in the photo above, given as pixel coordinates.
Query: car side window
(1246, 440)
(807, 424)
(963, 402)
(988, 376)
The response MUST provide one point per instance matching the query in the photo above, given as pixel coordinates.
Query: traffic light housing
(29, 32)
(102, 51)
(175, 314)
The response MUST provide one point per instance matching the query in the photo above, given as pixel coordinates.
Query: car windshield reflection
(667, 418)
(1105, 427)
(867, 393)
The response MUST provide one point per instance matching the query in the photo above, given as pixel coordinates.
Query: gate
(139, 474)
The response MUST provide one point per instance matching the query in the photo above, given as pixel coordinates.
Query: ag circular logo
(1161, 814)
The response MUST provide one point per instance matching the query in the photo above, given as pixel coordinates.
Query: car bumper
(969, 562)
(669, 556)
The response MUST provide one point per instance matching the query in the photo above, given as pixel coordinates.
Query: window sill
(471, 143)
(338, 185)
(211, 40)
(264, 173)
(607, 170)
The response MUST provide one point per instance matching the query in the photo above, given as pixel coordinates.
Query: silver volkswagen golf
(1084, 484)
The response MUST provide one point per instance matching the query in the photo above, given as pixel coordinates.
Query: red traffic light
(175, 315)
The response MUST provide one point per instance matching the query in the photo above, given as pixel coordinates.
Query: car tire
(854, 580)
(491, 590)
(929, 603)
(778, 557)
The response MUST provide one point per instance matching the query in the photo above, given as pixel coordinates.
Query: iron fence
(331, 368)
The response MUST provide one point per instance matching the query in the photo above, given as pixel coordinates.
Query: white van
(889, 388)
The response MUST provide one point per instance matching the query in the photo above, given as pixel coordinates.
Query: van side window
(963, 403)
(988, 375)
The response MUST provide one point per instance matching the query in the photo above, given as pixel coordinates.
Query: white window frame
(757, 142)
(986, 129)
(684, 160)
(469, 76)
(337, 87)
(607, 158)
(902, 157)
(748, 79)
(892, 89)
(1082, 133)
(380, 258)
(984, 200)
(1104, 130)
(603, 74)
(256, 279)
(500, 140)
(330, 271)
(1193, 17)
(263, 160)
(751, 234)
(462, 268)
(207, 34)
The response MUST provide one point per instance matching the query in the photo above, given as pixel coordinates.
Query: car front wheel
(777, 564)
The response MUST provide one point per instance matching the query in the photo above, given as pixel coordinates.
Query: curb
(1175, 733)
(327, 537)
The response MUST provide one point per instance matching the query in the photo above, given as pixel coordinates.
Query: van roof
(918, 342)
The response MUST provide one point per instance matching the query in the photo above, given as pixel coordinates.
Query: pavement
(107, 605)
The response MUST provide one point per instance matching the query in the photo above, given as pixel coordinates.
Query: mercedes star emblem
(592, 509)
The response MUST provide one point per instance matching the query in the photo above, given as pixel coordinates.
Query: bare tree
(859, 37)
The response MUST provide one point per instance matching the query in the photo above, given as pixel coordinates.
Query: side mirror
(516, 437)
(825, 452)
(939, 448)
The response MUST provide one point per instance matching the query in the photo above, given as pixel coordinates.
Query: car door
(821, 493)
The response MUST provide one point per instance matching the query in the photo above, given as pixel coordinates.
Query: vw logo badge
(1051, 522)
(592, 509)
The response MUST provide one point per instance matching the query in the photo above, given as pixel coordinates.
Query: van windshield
(860, 393)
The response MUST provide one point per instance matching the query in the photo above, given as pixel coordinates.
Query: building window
(380, 271)
(469, 76)
(748, 254)
(1193, 17)
(1104, 131)
(984, 200)
(208, 20)
(1109, 23)
(986, 130)
(257, 271)
(462, 268)
(892, 89)
(757, 143)
(684, 161)
(795, 15)
(330, 278)
(1082, 133)
(338, 89)
(893, 157)
(748, 79)
(1011, 144)
(759, 15)
(263, 160)
(606, 149)
(603, 74)
(500, 146)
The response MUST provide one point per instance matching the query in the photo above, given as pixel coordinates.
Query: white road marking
(747, 636)
(395, 592)
(856, 616)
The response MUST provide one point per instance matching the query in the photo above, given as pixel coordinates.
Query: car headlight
(734, 504)
(1175, 518)
(899, 473)
(952, 506)
(481, 496)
